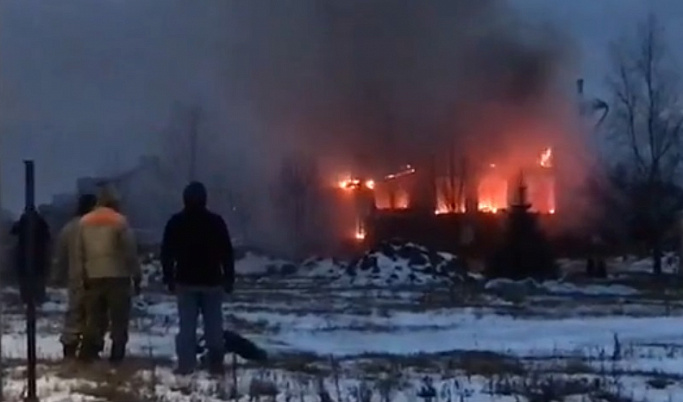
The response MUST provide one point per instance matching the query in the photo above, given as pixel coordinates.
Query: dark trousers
(75, 319)
(107, 300)
(191, 302)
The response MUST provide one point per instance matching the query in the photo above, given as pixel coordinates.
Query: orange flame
(487, 207)
(546, 158)
(442, 209)
(354, 184)
(492, 192)
(348, 184)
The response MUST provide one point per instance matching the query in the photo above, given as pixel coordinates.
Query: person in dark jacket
(41, 244)
(198, 266)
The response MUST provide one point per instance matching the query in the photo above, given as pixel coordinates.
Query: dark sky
(594, 24)
(86, 85)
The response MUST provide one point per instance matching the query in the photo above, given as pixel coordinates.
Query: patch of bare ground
(487, 364)
(102, 370)
(298, 363)
(99, 380)
(470, 363)
(540, 388)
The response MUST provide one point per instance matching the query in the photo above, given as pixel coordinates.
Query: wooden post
(3, 271)
(679, 227)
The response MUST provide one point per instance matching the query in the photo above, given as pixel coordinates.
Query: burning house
(430, 202)
(481, 189)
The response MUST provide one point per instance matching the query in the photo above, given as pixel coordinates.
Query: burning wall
(395, 189)
(495, 186)
(357, 203)
(498, 185)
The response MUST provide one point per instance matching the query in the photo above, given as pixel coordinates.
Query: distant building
(147, 197)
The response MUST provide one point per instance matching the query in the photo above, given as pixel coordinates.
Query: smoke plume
(365, 86)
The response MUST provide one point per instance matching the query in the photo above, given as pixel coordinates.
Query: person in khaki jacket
(106, 254)
(64, 269)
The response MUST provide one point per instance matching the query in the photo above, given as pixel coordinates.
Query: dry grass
(382, 376)
(488, 364)
(557, 388)
(113, 393)
(121, 383)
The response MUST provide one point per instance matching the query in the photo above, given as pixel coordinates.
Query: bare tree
(647, 128)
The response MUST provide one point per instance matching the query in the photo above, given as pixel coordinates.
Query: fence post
(30, 211)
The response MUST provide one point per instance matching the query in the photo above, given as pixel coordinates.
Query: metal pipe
(30, 211)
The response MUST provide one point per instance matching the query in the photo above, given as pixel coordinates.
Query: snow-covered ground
(467, 340)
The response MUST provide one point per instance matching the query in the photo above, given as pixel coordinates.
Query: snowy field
(370, 331)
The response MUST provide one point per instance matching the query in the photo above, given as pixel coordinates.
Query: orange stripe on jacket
(103, 216)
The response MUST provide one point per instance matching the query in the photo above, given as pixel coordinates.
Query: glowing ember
(354, 184)
(552, 211)
(546, 158)
(360, 233)
(441, 210)
(349, 184)
(483, 207)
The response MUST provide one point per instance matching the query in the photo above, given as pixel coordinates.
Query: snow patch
(395, 264)
(253, 264)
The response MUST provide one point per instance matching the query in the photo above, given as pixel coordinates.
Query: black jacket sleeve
(168, 246)
(14, 231)
(227, 253)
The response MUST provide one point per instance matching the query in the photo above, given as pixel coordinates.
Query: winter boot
(88, 353)
(70, 351)
(118, 352)
(215, 361)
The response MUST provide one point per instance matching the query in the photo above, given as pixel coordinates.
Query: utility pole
(194, 134)
(30, 211)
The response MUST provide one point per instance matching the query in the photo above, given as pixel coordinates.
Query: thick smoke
(365, 86)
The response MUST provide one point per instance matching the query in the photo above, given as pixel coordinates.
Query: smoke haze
(364, 86)
(377, 83)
